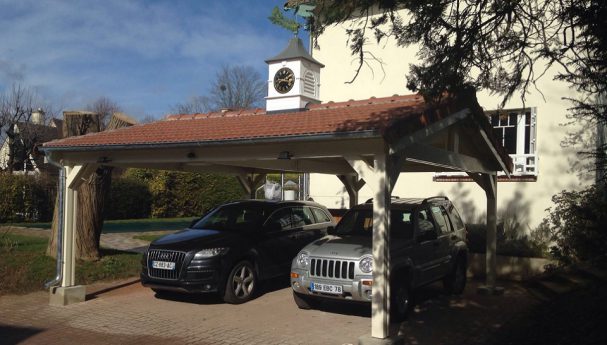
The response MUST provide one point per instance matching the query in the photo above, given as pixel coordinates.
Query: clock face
(284, 80)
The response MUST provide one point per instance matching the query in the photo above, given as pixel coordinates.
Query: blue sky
(145, 55)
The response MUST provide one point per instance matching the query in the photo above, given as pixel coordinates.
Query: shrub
(578, 223)
(185, 194)
(26, 198)
(129, 198)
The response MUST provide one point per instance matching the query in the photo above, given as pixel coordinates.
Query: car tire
(401, 301)
(455, 281)
(304, 302)
(241, 285)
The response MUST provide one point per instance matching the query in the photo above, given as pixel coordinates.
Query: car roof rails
(369, 201)
(441, 197)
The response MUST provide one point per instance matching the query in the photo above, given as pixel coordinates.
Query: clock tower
(294, 78)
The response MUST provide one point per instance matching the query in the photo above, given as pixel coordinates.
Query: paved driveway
(126, 313)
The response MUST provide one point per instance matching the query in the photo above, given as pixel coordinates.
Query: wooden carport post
(249, 182)
(381, 177)
(489, 184)
(68, 292)
(352, 184)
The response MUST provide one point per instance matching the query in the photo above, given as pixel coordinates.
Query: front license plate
(326, 288)
(163, 265)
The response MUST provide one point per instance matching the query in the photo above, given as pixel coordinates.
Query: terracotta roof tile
(374, 114)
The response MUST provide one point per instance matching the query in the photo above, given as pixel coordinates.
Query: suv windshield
(360, 223)
(232, 217)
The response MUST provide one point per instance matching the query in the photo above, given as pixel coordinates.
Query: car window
(401, 224)
(455, 218)
(231, 217)
(281, 219)
(439, 215)
(360, 222)
(321, 216)
(424, 221)
(302, 216)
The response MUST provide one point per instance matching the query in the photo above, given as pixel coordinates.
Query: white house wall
(527, 201)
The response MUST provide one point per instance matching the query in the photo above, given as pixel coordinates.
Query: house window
(515, 129)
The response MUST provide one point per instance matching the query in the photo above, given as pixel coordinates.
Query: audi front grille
(166, 256)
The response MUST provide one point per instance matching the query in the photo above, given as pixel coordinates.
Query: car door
(445, 238)
(314, 224)
(277, 242)
(425, 252)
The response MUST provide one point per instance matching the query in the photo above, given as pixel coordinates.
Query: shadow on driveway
(11, 335)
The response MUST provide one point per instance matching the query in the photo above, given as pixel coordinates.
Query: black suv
(233, 247)
(427, 244)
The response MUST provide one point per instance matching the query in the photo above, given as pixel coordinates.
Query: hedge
(185, 194)
(26, 198)
(128, 199)
(138, 193)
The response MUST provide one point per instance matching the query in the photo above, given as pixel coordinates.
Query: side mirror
(330, 230)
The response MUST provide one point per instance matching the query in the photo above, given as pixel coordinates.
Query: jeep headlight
(303, 259)
(210, 252)
(366, 264)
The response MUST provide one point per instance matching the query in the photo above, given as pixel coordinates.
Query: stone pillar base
(61, 296)
(490, 290)
(392, 340)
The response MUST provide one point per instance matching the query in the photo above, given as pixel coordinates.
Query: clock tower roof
(294, 50)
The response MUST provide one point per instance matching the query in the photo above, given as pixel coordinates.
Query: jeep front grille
(167, 256)
(328, 268)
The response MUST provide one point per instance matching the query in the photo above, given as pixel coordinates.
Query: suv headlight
(210, 252)
(366, 264)
(303, 259)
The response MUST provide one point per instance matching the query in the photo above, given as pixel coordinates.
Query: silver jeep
(427, 244)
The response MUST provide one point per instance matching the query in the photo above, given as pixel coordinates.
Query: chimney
(38, 117)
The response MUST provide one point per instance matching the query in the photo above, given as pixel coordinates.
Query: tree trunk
(91, 199)
(92, 193)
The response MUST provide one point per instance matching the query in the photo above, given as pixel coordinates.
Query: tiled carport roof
(389, 117)
(374, 114)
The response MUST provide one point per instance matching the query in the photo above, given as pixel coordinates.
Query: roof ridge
(368, 101)
(217, 114)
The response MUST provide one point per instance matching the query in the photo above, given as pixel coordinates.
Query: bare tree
(195, 105)
(16, 108)
(104, 108)
(234, 87)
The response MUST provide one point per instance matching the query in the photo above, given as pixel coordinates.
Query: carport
(362, 142)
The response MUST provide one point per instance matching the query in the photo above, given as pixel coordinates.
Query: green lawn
(129, 225)
(24, 266)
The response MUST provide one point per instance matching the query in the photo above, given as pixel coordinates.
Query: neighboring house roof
(40, 133)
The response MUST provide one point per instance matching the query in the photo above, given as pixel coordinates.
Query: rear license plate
(163, 265)
(326, 288)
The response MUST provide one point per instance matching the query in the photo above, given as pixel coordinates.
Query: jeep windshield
(232, 218)
(360, 223)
